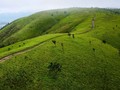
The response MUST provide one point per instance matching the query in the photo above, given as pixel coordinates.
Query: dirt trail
(11, 55)
(30, 48)
(25, 50)
(85, 31)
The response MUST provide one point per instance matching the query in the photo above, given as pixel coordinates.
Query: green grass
(87, 62)
(27, 44)
(62, 21)
(82, 68)
(29, 27)
(106, 29)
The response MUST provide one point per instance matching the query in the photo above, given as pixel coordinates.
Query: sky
(14, 9)
(40, 5)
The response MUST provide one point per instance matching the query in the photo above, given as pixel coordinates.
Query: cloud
(37, 5)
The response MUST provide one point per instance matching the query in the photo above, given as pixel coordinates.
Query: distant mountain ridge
(6, 18)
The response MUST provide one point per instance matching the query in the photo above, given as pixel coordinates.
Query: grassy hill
(29, 27)
(89, 60)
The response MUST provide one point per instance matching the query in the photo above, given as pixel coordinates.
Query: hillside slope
(85, 66)
(29, 27)
(63, 21)
(62, 51)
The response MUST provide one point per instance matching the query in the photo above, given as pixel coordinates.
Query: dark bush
(54, 42)
(104, 41)
(62, 46)
(51, 14)
(9, 49)
(69, 34)
(19, 45)
(94, 49)
(54, 68)
(73, 35)
(119, 52)
(90, 42)
(26, 57)
(65, 12)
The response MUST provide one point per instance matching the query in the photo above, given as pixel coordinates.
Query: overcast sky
(39, 5)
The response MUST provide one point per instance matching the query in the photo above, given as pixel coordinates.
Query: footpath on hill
(30, 48)
(2, 59)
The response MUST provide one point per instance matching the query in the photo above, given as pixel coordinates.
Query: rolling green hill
(83, 58)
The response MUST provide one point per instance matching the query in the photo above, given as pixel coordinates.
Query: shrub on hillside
(54, 42)
(9, 49)
(119, 52)
(54, 69)
(23, 43)
(69, 34)
(73, 35)
(90, 42)
(51, 14)
(104, 41)
(65, 12)
(62, 46)
(94, 49)
(26, 57)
